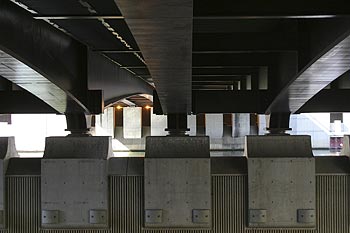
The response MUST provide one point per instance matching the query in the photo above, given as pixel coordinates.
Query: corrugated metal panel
(229, 206)
(229, 201)
(127, 201)
(23, 206)
(332, 203)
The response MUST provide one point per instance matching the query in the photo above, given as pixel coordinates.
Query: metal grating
(229, 201)
(23, 209)
(332, 195)
(229, 206)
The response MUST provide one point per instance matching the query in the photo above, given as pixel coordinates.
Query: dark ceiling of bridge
(214, 52)
(235, 45)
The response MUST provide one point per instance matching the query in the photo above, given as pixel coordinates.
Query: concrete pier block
(278, 146)
(178, 168)
(74, 182)
(281, 181)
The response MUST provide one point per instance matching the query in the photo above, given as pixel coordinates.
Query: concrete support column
(118, 120)
(254, 124)
(158, 124)
(146, 121)
(228, 125)
(106, 121)
(336, 129)
(132, 121)
(241, 125)
(200, 124)
(262, 124)
(191, 120)
(214, 126)
(241, 128)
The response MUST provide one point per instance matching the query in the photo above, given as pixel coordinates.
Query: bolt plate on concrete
(97, 216)
(306, 216)
(257, 216)
(153, 216)
(49, 216)
(281, 186)
(201, 216)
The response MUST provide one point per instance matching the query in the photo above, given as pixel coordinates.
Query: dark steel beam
(224, 70)
(163, 32)
(117, 51)
(320, 72)
(248, 9)
(234, 60)
(19, 102)
(76, 17)
(53, 64)
(249, 16)
(283, 40)
(58, 69)
(230, 101)
(328, 100)
(315, 36)
(116, 83)
(217, 76)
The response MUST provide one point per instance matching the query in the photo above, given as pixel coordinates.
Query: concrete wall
(315, 125)
(229, 208)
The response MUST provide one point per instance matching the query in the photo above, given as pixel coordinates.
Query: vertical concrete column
(214, 126)
(132, 121)
(254, 121)
(146, 121)
(158, 124)
(200, 124)
(241, 128)
(241, 124)
(346, 146)
(336, 128)
(191, 122)
(228, 125)
(107, 121)
(118, 120)
(262, 124)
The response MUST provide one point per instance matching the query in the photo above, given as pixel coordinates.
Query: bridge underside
(179, 58)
